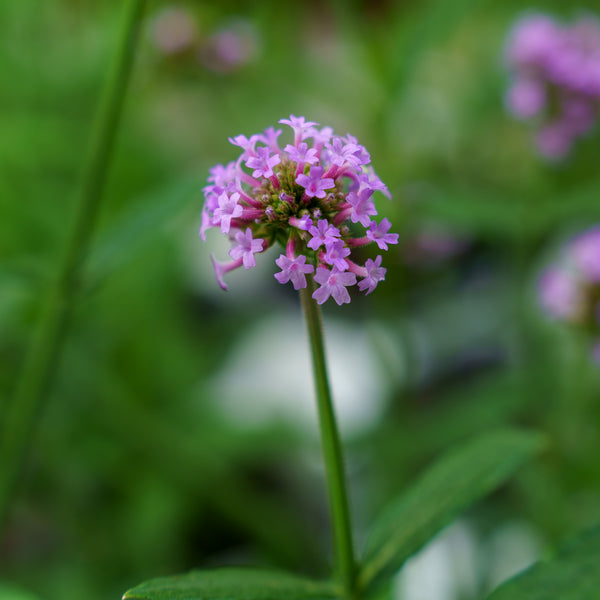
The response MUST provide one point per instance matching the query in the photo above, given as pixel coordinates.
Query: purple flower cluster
(570, 290)
(556, 81)
(313, 199)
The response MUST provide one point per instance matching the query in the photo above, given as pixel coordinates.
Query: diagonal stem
(331, 448)
(18, 423)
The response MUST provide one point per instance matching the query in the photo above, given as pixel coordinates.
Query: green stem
(332, 449)
(19, 421)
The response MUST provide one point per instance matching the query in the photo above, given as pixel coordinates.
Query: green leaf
(572, 575)
(458, 479)
(11, 592)
(233, 584)
(139, 226)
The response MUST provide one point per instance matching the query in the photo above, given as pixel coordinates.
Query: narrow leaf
(457, 480)
(572, 575)
(233, 584)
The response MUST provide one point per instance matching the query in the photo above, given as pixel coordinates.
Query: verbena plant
(313, 202)
(313, 198)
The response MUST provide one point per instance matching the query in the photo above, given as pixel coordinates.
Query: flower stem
(331, 448)
(18, 423)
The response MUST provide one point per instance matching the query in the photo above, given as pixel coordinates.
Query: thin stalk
(331, 448)
(18, 424)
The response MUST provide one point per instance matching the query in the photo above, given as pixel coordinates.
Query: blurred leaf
(435, 21)
(491, 212)
(577, 202)
(572, 575)
(139, 226)
(487, 403)
(233, 583)
(457, 480)
(10, 592)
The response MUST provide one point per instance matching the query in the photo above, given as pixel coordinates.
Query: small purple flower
(211, 202)
(314, 183)
(335, 254)
(246, 249)
(372, 181)
(304, 222)
(293, 270)
(340, 153)
(362, 207)
(333, 283)
(247, 145)
(222, 268)
(228, 209)
(222, 176)
(361, 154)
(321, 137)
(263, 162)
(323, 233)
(270, 138)
(379, 234)
(300, 126)
(375, 274)
(207, 223)
(302, 154)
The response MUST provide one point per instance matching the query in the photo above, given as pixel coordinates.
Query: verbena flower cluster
(312, 196)
(570, 289)
(556, 82)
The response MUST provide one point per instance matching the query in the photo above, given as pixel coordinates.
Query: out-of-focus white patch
(269, 376)
(457, 564)
(241, 282)
(446, 569)
(511, 548)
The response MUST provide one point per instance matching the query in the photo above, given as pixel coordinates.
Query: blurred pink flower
(559, 62)
(174, 31)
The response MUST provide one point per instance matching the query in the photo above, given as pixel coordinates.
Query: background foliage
(157, 452)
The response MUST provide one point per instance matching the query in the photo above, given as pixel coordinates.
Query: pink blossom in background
(559, 294)
(569, 289)
(585, 252)
(432, 244)
(231, 47)
(526, 98)
(556, 79)
(174, 31)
